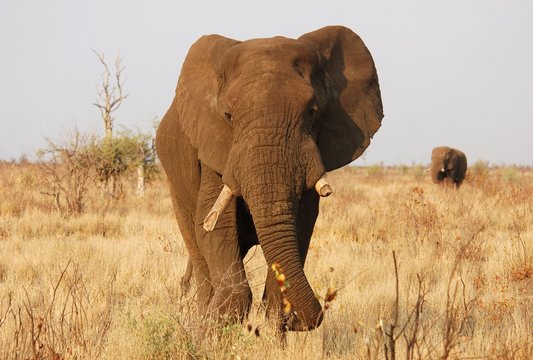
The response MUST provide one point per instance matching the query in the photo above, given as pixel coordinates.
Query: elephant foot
(231, 304)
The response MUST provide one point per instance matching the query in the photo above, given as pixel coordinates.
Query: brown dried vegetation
(105, 284)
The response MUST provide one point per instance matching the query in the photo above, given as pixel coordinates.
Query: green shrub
(480, 170)
(118, 155)
(159, 338)
(511, 174)
(375, 171)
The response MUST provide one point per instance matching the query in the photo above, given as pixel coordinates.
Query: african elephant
(448, 166)
(252, 129)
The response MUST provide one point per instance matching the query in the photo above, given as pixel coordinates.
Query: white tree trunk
(140, 180)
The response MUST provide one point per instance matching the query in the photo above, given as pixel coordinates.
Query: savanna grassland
(406, 269)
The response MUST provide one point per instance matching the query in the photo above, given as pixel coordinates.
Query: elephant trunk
(271, 191)
(278, 240)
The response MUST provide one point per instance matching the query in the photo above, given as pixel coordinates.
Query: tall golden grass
(408, 269)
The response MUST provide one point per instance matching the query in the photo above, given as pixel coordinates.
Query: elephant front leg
(231, 295)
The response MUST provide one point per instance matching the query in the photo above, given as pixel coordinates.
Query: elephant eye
(228, 117)
(314, 109)
(298, 69)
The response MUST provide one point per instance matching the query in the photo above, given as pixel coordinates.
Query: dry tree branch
(397, 290)
(9, 308)
(454, 320)
(412, 340)
(35, 346)
(389, 346)
(110, 98)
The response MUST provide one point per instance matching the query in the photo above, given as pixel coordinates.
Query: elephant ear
(354, 110)
(197, 100)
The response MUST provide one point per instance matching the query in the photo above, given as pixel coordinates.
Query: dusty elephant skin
(448, 166)
(263, 120)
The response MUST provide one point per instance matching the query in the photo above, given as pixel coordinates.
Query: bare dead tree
(109, 99)
(114, 161)
(110, 96)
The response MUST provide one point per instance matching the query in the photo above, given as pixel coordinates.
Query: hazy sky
(455, 72)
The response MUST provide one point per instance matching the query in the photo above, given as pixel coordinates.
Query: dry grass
(106, 284)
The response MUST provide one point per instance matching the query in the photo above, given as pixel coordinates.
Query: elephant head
(272, 116)
(448, 165)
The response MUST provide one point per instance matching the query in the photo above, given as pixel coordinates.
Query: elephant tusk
(218, 209)
(323, 188)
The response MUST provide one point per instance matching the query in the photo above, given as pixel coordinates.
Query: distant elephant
(260, 122)
(448, 166)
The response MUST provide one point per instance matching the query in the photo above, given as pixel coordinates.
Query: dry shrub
(67, 321)
(421, 216)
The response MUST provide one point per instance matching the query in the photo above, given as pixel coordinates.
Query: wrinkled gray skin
(267, 118)
(448, 166)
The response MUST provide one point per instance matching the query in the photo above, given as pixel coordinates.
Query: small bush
(511, 174)
(479, 171)
(72, 166)
(375, 171)
(159, 337)
(67, 168)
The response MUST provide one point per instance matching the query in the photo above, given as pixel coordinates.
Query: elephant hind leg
(195, 261)
(180, 162)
